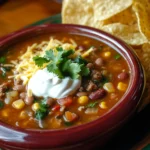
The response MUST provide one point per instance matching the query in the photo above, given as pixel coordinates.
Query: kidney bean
(79, 94)
(49, 101)
(19, 87)
(90, 65)
(99, 62)
(23, 95)
(29, 100)
(16, 82)
(81, 47)
(96, 75)
(123, 76)
(4, 86)
(91, 86)
(99, 94)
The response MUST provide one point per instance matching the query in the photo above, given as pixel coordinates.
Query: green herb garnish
(59, 62)
(80, 60)
(92, 104)
(68, 123)
(40, 61)
(2, 60)
(104, 80)
(42, 112)
(1, 104)
(4, 69)
(117, 56)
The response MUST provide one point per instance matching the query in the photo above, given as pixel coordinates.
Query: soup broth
(102, 76)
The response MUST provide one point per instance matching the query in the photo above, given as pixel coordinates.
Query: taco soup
(60, 80)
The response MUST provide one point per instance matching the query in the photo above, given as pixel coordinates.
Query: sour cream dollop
(46, 84)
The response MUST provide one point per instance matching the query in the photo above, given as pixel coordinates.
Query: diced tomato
(67, 101)
(69, 116)
(56, 107)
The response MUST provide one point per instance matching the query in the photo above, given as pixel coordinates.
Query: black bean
(123, 76)
(99, 94)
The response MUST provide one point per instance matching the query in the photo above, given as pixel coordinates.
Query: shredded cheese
(25, 67)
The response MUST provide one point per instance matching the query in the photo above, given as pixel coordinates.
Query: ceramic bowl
(89, 135)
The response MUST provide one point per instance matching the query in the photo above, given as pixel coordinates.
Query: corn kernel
(107, 54)
(109, 87)
(35, 106)
(18, 104)
(122, 86)
(103, 105)
(83, 100)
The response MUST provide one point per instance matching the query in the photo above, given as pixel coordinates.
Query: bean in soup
(65, 81)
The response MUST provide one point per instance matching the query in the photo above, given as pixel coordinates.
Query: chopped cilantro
(3, 69)
(62, 65)
(52, 67)
(96, 81)
(2, 60)
(92, 104)
(117, 56)
(104, 80)
(68, 123)
(1, 104)
(35, 101)
(72, 69)
(84, 70)
(39, 61)
(80, 60)
(42, 112)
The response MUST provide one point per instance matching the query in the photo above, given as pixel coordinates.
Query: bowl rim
(134, 91)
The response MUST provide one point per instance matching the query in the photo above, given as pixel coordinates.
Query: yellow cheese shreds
(26, 67)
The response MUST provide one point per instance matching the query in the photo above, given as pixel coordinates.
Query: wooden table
(16, 14)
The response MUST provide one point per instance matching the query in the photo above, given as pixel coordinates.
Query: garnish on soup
(66, 81)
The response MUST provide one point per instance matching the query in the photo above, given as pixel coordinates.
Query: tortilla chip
(143, 53)
(126, 17)
(128, 33)
(78, 12)
(142, 11)
(104, 9)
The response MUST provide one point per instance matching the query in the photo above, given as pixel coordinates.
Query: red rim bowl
(86, 135)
